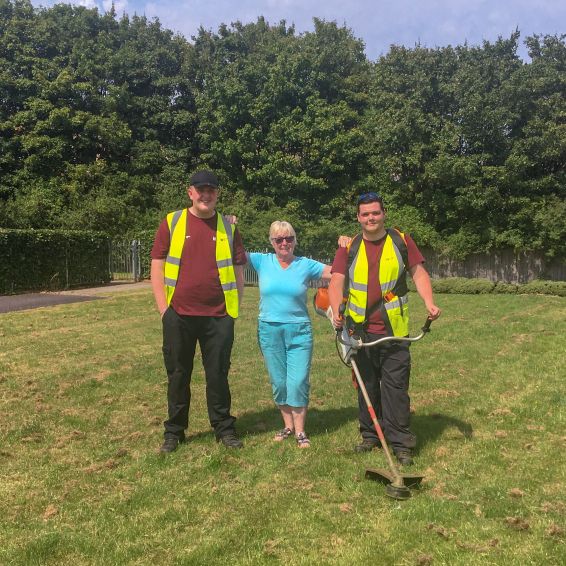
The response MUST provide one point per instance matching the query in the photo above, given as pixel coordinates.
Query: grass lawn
(82, 392)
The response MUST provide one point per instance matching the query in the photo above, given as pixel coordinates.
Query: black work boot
(367, 445)
(404, 456)
(170, 444)
(230, 440)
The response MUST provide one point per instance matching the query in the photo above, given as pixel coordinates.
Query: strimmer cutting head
(387, 478)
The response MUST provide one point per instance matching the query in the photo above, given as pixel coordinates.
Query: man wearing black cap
(198, 281)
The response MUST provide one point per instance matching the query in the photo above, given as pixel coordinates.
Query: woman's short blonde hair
(281, 228)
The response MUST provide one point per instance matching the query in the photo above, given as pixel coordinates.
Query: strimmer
(397, 483)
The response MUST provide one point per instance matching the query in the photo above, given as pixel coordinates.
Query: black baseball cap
(204, 178)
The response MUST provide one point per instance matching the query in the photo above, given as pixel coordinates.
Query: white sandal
(283, 434)
(303, 441)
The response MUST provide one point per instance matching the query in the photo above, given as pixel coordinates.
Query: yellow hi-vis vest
(177, 222)
(394, 309)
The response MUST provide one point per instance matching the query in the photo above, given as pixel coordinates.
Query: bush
(482, 286)
(507, 288)
(544, 288)
(462, 285)
(52, 259)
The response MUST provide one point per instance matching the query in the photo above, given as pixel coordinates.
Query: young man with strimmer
(369, 275)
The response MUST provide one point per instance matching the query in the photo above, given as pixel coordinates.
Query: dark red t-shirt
(373, 251)
(198, 291)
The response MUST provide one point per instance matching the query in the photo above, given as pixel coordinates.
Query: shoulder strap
(173, 218)
(229, 229)
(401, 287)
(400, 243)
(352, 252)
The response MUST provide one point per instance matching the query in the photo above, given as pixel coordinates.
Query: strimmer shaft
(398, 482)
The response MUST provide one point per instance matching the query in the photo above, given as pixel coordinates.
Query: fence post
(110, 252)
(139, 250)
(67, 285)
(136, 264)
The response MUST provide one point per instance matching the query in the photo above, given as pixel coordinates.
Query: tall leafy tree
(279, 114)
(102, 118)
(96, 108)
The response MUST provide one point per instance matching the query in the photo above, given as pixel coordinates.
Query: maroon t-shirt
(373, 250)
(198, 291)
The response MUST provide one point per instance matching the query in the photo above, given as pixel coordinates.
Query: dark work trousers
(385, 371)
(215, 337)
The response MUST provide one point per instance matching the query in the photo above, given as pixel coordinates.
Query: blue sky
(379, 23)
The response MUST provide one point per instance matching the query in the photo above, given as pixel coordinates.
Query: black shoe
(170, 444)
(405, 457)
(367, 445)
(230, 440)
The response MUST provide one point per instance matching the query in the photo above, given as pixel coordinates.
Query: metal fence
(125, 260)
(125, 264)
(251, 277)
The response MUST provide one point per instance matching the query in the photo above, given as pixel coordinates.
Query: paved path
(9, 303)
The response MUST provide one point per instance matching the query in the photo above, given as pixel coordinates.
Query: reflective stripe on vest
(391, 268)
(177, 222)
(224, 246)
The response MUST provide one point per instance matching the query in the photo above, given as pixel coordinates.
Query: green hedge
(463, 285)
(33, 260)
(539, 287)
(505, 288)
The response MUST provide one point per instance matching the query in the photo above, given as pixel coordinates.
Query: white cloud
(379, 23)
(85, 3)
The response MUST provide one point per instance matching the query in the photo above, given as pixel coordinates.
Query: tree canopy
(102, 119)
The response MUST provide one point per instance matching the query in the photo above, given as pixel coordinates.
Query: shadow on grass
(319, 421)
(429, 428)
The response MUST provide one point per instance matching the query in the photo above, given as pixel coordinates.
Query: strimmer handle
(426, 326)
(341, 311)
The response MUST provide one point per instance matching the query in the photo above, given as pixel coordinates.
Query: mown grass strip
(82, 393)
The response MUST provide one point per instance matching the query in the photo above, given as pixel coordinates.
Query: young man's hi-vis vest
(177, 222)
(392, 273)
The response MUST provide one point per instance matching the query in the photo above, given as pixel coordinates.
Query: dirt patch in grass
(479, 548)
(50, 511)
(555, 531)
(553, 507)
(440, 530)
(517, 523)
(501, 412)
(439, 491)
(431, 397)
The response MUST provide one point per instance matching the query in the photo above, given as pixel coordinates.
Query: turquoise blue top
(283, 292)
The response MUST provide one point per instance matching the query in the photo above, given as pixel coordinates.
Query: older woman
(284, 328)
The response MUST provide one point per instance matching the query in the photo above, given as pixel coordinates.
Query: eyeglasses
(288, 239)
(369, 197)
